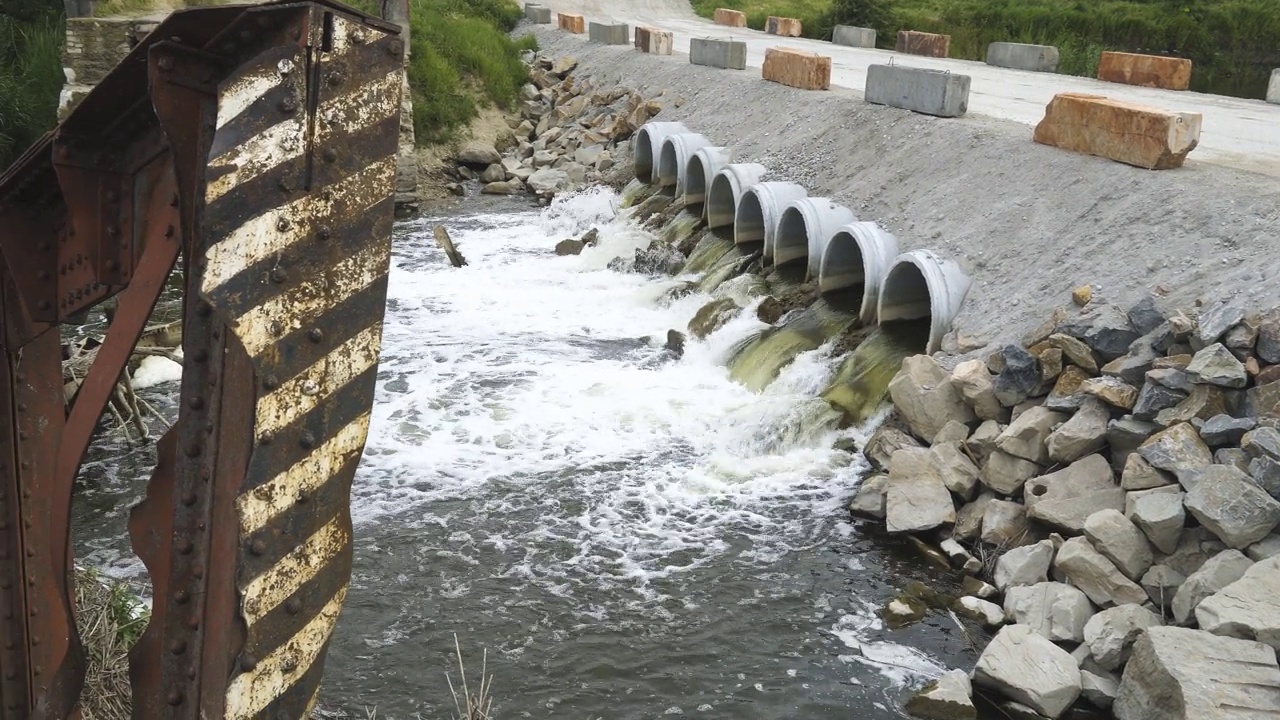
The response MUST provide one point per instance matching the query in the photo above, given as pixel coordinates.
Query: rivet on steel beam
(278, 275)
(286, 184)
(193, 622)
(258, 547)
(248, 663)
(45, 305)
(165, 64)
(181, 597)
(266, 438)
(330, 155)
(189, 498)
(35, 640)
(288, 105)
(315, 335)
(22, 434)
(293, 606)
(174, 201)
(194, 450)
(113, 231)
(395, 47)
(325, 232)
(191, 672)
(307, 441)
(175, 697)
(197, 571)
(111, 265)
(204, 309)
(113, 196)
(335, 79)
(195, 403)
(270, 382)
(200, 356)
(205, 474)
(43, 275)
(177, 647)
(282, 224)
(185, 546)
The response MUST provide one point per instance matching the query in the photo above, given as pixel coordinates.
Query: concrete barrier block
(931, 92)
(712, 52)
(1154, 71)
(732, 18)
(652, 40)
(609, 33)
(1133, 134)
(922, 43)
(572, 23)
(797, 68)
(851, 36)
(1273, 90)
(1021, 56)
(537, 14)
(786, 27)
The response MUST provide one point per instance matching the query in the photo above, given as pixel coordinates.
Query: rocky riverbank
(1119, 470)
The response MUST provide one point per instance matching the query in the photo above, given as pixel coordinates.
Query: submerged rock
(712, 317)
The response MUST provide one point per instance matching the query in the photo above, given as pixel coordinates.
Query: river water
(624, 534)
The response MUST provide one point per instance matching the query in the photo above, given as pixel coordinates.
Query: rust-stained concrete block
(732, 18)
(1133, 134)
(922, 43)
(786, 27)
(652, 40)
(797, 68)
(1153, 71)
(572, 23)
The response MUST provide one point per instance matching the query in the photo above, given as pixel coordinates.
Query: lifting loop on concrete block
(920, 286)
(673, 159)
(857, 259)
(724, 197)
(804, 228)
(703, 168)
(647, 147)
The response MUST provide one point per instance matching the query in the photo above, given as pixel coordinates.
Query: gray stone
(1161, 583)
(916, 498)
(1055, 610)
(712, 52)
(1116, 537)
(1155, 397)
(1025, 436)
(851, 36)
(1022, 56)
(609, 33)
(870, 498)
(1180, 674)
(984, 611)
(972, 379)
(1218, 572)
(1084, 433)
(1265, 549)
(884, 442)
(492, 174)
(1133, 366)
(548, 181)
(1248, 608)
(1145, 316)
(1222, 430)
(1178, 450)
(983, 440)
(1139, 475)
(1019, 377)
(1125, 436)
(1263, 442)
(543, 158)
(952, 432)
(977, 588)
(1064, 499)
(925, 398)
(506, 187)
(1105, 329)
(1097, 576)
(1215, 365)
(1004, 664)
(1099, 690)
(570, 247)
(1265, 473)
(1214, 322)
(1160, 516)
(588, 155)
(1229, 504)
(930, 92)
(1111, 633)
(1076, 351)
(1025, 565)
(1065, 395)
(1005, 524)
(1111, 390)
(1005, 473)
(950, 697)
(478, 155)
(1244, 334)
(1232, 456)
(1171, 378)
(1195, 547)
(969, 518)
(1268, 345)
(957, 471)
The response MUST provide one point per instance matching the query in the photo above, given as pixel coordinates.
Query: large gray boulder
(1217, 572)
(869, 500)
(549, 181)
(1065, 499)
(1178, 450)
(1111, 633)
(1084, 433)
(1116, 537)
(1097, 576)
(1226, 501)
(1056, 610)
(969, 518)
(1021, 664)
(1180, 674)
(1215, 365)
(1159, 515)
(1248, 608)
(478, 155)
(1025, 437)
(926, 399)
(955, 468)
(1005, 524)
(1025, 565)
(1139, 475)
(950, 697)
(975, 384)
(1005, 473)
(916, 499)
(1161, 583)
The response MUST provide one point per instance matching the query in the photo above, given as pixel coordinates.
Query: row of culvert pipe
(838, 251)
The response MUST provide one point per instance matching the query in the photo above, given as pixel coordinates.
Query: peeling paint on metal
(367, 105)
(257, 156)
(265, 592)
(291, 401)
(242, 93)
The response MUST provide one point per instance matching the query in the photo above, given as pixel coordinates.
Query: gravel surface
(1028, 222)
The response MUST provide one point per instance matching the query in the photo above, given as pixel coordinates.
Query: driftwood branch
(446, 243)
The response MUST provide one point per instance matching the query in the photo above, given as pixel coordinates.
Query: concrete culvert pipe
(760, 209)
(705, 164)
(727, 190)
(647, 147)
(673, 161)
(804, 229)
(921, 286)
(858, 254)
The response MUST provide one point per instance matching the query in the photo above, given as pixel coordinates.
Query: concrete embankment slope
(1029, 222)
(1244, 134)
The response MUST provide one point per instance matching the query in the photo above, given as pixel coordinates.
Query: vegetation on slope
(30, 74)
(1233, 44)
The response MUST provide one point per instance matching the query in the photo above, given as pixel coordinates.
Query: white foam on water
(536, 386)
(862, 629)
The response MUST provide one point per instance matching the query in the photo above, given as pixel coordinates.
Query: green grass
(30, 80)
(1233, 44)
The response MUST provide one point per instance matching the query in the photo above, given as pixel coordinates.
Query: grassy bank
(30, 80)
(1233, 44)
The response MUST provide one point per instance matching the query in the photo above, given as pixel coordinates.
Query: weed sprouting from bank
(468, 704)
(110, 619)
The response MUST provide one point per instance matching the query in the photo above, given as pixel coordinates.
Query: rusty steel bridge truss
(258, 143)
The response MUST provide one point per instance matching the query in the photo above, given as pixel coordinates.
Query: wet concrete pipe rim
(756, 219)
(921, 285)
(805, 227)
(673, 159)
(858, 253)
(703, 168)
(647, 147)
(729, 186)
